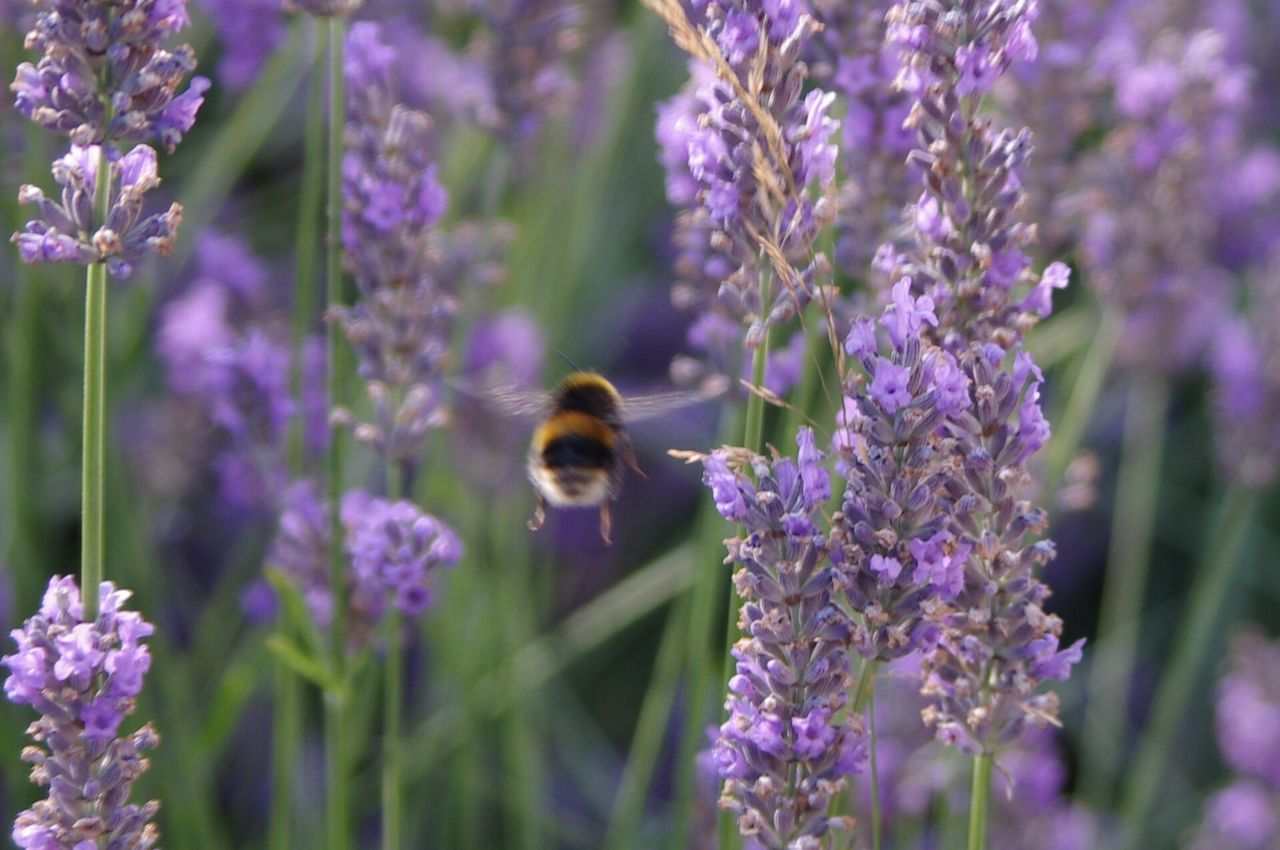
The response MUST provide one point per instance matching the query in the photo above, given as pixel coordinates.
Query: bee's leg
(539, 514)
(629, 456)
(606, 523)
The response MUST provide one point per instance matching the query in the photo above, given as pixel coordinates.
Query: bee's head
(589, 393)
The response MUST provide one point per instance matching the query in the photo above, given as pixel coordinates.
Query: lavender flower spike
(409, 271)
(84, 679)
(66, 232)
(968, 289)
(789, 745)
(754, 157)
(104, 77)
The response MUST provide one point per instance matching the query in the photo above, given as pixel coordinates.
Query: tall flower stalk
(334, 14)
(104, 79)
(995, 643)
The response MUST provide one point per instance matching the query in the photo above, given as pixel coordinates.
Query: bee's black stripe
(574, 450)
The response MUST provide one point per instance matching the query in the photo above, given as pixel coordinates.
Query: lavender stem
(1219, 566)
(1128, 562)
(978, 801)
(335, 701)
(95, 423)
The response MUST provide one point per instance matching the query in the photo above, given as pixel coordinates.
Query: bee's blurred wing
(647, 406)
(503, 396)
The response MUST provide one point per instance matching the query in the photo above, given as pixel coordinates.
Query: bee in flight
(581, 450)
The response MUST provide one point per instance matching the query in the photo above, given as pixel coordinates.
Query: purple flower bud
(889, 386)
(84, 698)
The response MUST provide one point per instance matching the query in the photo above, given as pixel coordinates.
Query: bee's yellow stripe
(575, 380)
(571, 423)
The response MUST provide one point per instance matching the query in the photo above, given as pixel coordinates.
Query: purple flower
(88, 766)
(745, 186)
(97, 53)
(249, 30)
(782, 732)
(398, 549)
(68, 232)
(890, 386)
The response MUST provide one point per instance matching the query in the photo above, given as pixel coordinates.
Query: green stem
(333, 277)
(336, 785)
(702, 634)
(392, 745)
(875, 770)
(1196, 639)
(284, 761)
(309, 200)
(287, 704)
(335, 709)
(647, 741)
(1070, 427)
(978, 802)
(754, 434)
(95, 415)
(753, 441)
(1137, 494)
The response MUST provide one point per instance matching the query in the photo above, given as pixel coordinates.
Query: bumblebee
(581, 450)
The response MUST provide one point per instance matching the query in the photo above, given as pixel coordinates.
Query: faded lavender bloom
(852, 58)
(526, 45)
(325, 8)
(507, 348)
(1245, 361)
(84, 679)
(1245, 815)
(394, 554)
(752, 159)
(409, 271)
(789, 745)
(249, 31)
(977, 297)
(223, 350)
(104, 77)
(1172, 176)
(66, 232)
(1030, 809)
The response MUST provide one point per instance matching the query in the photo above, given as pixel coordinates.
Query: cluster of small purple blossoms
(789, 743)
(525, 46)
(249, 31)
(852, 58)
(225, 351)
(104, 79)
(409, 272)
(970, 255)
(1245, 815)
(891, 539)
(1170, 195)
(325, 8)
(1245, 362)
(67, 232)
(83, 678)
(1030, 807)
(977, 297)
(753, 157)
(394, 550)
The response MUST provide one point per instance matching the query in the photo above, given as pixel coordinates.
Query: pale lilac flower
(83, 697)
(1245, 815)
(67, 232)
(100, 52)
(787, 747)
